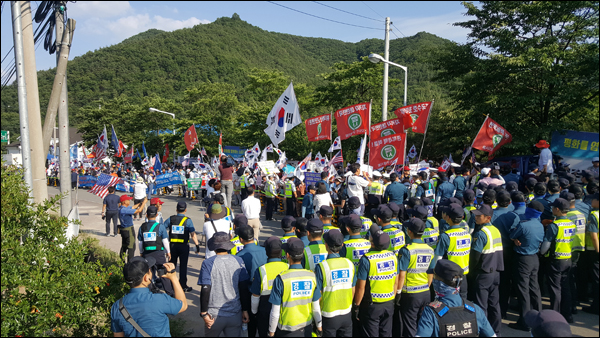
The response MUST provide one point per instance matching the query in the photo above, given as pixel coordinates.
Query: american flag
(104, 181)
(203, 152)
(337, 158)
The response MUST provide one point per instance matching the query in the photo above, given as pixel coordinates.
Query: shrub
(51, 287)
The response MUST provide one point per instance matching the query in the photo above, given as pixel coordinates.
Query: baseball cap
(246, 233)
(181, 206)
(394, 208)
(512, 186)
(517, 197)
(354, 222)
(273, 245)
(569, 196)
(326, 211)
(383, 212)
(334, 238)
(353, 202)
(287, 223)
(240, 220)
(561, 204)
(469, 195)
(455, 165)
(489, 196)
(220, 241)
(156, 200)
(413, 201)
(416, 225)
(376, 173)
(484, 210)
(300, 224)
(137, 268)
(294, 246)
(219, 198)
(312, 187)
(454, 211)
(427, 201)
(380, 239)
(314, 226)
(441, 170)
(485, 171)
(124, 198)
(595, 196)
(530, 183)
(419, 212)
(564, 183)
(547, 323)
(536, 205)
(152, 211)
(455, 200)
(553, 185)
(503, 197)
(447, 270)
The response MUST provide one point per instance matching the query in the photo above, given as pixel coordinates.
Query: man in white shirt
(251, 209)
(356, 185)
(139, 192)
(216, 222)
(545, 161)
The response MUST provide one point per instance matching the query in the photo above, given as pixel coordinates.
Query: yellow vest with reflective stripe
(459, 248)
(356, 248)
(296, 304)
(338, 274)
(269, 187)
(430, 237)
(578, 219)
(313, 255)
(326, 228)
(589, 245)
(563, 240)
(397, 239)
(284, 240)
(434, 221)
(289, 192)
(416, 274)
(238, 245)
(494, 240)
(267, 273)
(366, 225)
(376, 188)
(243, 181)
(383, 269)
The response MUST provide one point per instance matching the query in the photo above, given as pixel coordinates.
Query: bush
(51, 287)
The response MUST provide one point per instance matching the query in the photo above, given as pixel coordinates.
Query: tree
(532, 66)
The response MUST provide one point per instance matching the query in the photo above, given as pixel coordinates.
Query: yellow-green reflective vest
(295, 312)
(326, 228)
(563, 240)
(530, 197)
(284, 240)
(366, 225)
(269, 188)
(396, 224)
(267, 273)
(434, 222)
(430, 237)
(578, 219)
(459, 248)
(467, 211)
(376, 188)
(289, 192)
(397, 239)
(383, 269)
(238, 245)
(243, 181)
(338, 274)
(356, 248)
(589, 245)
(313, 255)
(416, 275)
(494, 240)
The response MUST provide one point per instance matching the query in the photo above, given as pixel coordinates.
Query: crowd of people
(428, 253)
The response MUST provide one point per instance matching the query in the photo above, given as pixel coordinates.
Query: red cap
(125, 198)
(406, 168)
(542, 144)
(441, 170)
(155, 201)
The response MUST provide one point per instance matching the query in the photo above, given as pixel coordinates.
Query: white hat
(376, 173)
(386, 175)
(433, 169)
(485, 171)
(133, 170)
(477, 164)
(455, 165)
(595, 159)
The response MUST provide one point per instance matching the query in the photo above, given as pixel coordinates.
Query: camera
(161, 271)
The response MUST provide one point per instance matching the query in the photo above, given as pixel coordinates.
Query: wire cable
(384, 18)
(341, 10)
(343, 23)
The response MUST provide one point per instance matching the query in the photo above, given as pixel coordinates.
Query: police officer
(396, 222)
(315, 252)
(577, 246)
(455, 243)
(300, 230)
(591, 252)
(180, 229)
(415, 262)
(486, 261)
(450, 315)
(395, 192)
(290, 197)
(153, 238)
(383, 216)
(244, 183)
(325, 214)
(527, 235)
(356, 245)
(287, 225)
(445, 190)
(336, 279)
(294, 297)
(460, 182)
(270, 193)
(376, 286)
(262, 283)
(469, 203)
(557, 247)
(376, 188)
(426, 188)
(553, 187)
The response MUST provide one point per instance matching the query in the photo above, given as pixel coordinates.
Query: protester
(322, 197)
(215, 223)
(226, 170)
(139, 193)
(126, 225)
(110, 210)
(545, 161)
(251, 209)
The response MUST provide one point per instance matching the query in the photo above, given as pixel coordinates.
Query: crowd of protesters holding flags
(384, 249)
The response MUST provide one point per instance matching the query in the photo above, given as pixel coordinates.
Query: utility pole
(386, 70)
(63, 41)
(22, 95)
(38, 152)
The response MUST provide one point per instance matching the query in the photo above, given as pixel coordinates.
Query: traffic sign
(5, 136)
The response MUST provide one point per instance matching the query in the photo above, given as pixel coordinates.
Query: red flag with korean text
(415, 116)
(386, 128)
(491, 137)
(190, 138)
(353, 120)
(384, 151)
(166, 154)
(318, 128)
(129, 155)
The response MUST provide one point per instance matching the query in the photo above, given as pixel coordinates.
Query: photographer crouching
(142, 312)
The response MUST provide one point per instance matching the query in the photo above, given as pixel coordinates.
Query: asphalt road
(90, 207)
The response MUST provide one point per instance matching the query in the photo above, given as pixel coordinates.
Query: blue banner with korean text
(165, 180)
(311, 178)
(576, 147)
(87, 181)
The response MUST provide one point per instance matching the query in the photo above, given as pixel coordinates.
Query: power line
(343, 23)
(341, 10)
(384, 18)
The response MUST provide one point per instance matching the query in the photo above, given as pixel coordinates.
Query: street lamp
(164, 112)
(375, 58)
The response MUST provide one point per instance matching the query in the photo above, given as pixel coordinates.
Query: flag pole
(483, 124)
(426, 126)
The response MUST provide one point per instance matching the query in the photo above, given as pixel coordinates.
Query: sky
(105, 23)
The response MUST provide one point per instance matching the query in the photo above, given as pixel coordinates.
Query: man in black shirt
(110, 210)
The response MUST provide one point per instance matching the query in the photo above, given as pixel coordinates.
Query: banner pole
(426, 127)
(483, 124)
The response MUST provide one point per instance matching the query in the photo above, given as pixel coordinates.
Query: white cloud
(441, 25)
(98, 9)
